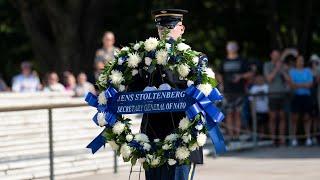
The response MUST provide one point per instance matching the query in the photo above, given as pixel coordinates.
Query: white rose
(122, 87)
(210, 73)
(102, 100)
(155, 161)
(171, 137)
(172, 162)
(195, 60)
(166, 147)
(125, 150)
(146, 146)
(183, 70)
(189, 83)
(205, 88)
(201, 139)
(114, 146)
(116, 77)
(151, 44)
(199, 127)
(186, 138)
(184, 123)
(101, 119)
(162, 57)
(133, 60)
(129, 137)
(182, 153)
(134, 72)
(125, 48)
(136, 46)
(147, 61)
(156, 140)
(182, 47)
(118, 128)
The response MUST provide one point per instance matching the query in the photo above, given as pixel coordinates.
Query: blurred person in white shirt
(83, 86)
(53, 84)
(27, 81)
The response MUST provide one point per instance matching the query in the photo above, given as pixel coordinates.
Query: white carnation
(114, 146)
(189, 83)
(125, 150)
(171, 137)
(116, 77)
(199, 127)
(118, 128)
(193, 147)
(136, 46)
(172, 162)
(210, 73)
(166, 147)
(186, 138)
(102, 100)
(183, 70)
(125, 48)
(147, 61)
(182, 47)
(205, 88)
(129, 137)
(184, 123)
(201, 139)
(101, 119)
(182, 153)
(146, 146)
(151, 44)
(195, 60)
(133, 60)
(122, 87)
(141, 137)
(134, 72)
(162, 57)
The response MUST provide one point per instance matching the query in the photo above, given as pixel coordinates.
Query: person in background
(83, 86)
(3, 85)
(301, 81)
(276, 75)
(52, 83)
(27, 81)
(315, 92)
(108, 50)
(232, 76)
(260, 88)
(69, 81)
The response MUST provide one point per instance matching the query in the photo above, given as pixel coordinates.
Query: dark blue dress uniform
(159, 125)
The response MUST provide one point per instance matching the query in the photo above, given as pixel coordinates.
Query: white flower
(189, 83)
(142, 160)
(102, 78)
(134, 72)
(125, 48)
(133, 60)
(199, 127)
(118, 128)
(129, 137)
(201, 139)
(116, 77)
(205, 88)
(102, 99)
(182, 153)
(171, 137)
(193, 147)
(114, 146)
(183, 70)
(195, 60)
(136, 46)
(184, 123)
(182, 47)
(125, 150)
(147, 61)
(166, 147)
(172, 162)
(120, 61)
(146, 146)
(156, 140)
(209, 72)
(151, 44)
(101, 119)
(155, 161)
(141, 137)
(162, 57)
(168, 46)
(186, 138)
(122, 87)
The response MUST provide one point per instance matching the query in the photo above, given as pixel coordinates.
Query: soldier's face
(175, 32)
